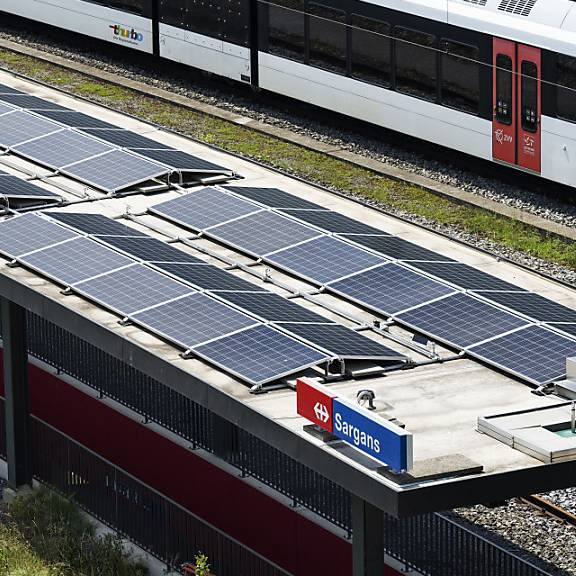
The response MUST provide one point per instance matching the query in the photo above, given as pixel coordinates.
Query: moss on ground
(308, 164)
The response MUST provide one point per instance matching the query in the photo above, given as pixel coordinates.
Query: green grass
(314, 166)
(42, 534)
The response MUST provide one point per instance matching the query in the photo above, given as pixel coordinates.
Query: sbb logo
(314, 402)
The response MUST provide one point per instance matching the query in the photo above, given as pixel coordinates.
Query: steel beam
(367, 539)
(17, 406)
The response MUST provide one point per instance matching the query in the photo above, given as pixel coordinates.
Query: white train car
(495, 79)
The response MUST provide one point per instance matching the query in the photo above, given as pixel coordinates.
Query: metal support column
(16, 393)
(367, 539)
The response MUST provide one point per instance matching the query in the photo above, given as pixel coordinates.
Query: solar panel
(204, 208)
(113, 171)
(534, 306)
(181, 161)
(61, 148)
(19, 127)
(30, 102)
(274, 198)
(460, 320)
(260, 354)
(193, 319)
(75, 260)
(150, 249)
(207, 277)
(390, 288)
(16, 187)
(75, 119)
(324, 259)
(396, 248)
(96, 224)
(533, 353)
(9, 90)
(465, 276)
(125, 138)
(333, 222)
(272, 307)
(343, 342)
(131, 289)
(29, 232)
(567, 328)
(262, 233)
(4, 109)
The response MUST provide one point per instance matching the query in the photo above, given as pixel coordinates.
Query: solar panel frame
(258, 344)
(532, 305)
(125, 139)
(130, 289)
(148, 249)
(192, 320)
(75, 119)
(204, 208)
(61, 149)
(98, 171)
(313, 260)
(13, 186)
(20, 126)
(272, 307)
(395, 247)
(208, 277)
(30, 232)
(75, 260)
(273, 198)
(492, 352)
(94, 224)
(460, 320)
(343, 342)
(333, 222)
(262, 233)
(468, 278)
(390, 288)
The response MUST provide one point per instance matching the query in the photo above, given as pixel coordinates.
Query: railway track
(551, 509)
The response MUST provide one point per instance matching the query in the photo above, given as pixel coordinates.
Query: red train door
(516, 104)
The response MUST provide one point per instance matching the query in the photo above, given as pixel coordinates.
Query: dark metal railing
(433, 544)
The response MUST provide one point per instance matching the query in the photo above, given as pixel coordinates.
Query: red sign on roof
(314, 402)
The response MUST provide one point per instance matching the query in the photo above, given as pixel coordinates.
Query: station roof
(439, 399)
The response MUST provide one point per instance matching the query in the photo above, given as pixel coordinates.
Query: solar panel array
(449, 301)
(18, 190)
(95, 152)
(156, 285)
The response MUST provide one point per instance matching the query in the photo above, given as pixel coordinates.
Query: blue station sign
(371, 434)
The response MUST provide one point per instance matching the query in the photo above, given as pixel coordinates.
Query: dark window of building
(415, 63)
(529, 96)
(460, 76)
(370, 50)
(566, 99)
(286, 29)
(504, 89)
(327, 38)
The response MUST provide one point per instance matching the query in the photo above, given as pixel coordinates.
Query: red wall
(275, 531)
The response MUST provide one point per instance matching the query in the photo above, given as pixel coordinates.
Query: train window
(370, 50)
(134, 6)
(327, 36)
(504, 89)
(460, 76)
(529, 96)
(286, 29)
(195, 15)
(415, 63)
(566, 94)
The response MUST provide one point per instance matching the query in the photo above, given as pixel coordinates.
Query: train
(495, 79)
